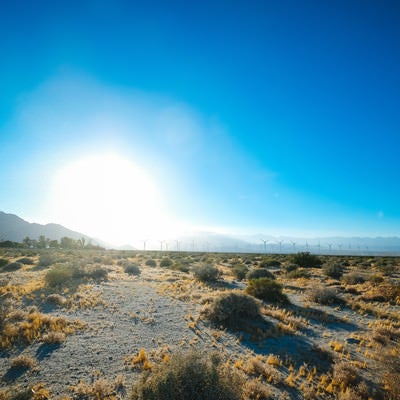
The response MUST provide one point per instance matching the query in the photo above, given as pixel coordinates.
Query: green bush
(266, 289)
(291, 267)
(233, 310)
(59, 275)
(353, 278)
(97, 274)
(45, 260)
(151, 263)
(206, 273)
(132, 269)
(3, 262)
(259, 273)
(166, 262)
(270, 263)
(239, 271)
(189, 376)
(333, 270)
(306, 260)
(14, 266)
(298, 273)
(26, 261)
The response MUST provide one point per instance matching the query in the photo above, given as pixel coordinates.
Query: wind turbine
(294, 246)
(265, 245)
(330, 246)
(161, 244)
(177, 245)
(319, 248)
(144, 244)
(280, 246)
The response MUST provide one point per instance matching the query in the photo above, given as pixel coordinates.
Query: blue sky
(267, 116)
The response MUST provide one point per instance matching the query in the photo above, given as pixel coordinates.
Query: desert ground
(97, 324)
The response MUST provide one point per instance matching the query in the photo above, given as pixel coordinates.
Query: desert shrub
(233, 310)
(3, 262)
(151, 263)
(353, 278)
(132, 269)
(375, 279)
(14, 266)
(58, 275)
(56, 299)
(298, 273)
(97, 274)
(266, 289)
(23, 361)
(206, 273)
(166, 262)
(259, 273)
(391, 374)
(54, 337)
(239, 271)
(333, 270)
(306, 260)
(270, 263)
(45, 260)
(181, 266)
(26, 261)
(325, 296)
(189, 376)
(290, 267)
(387, 269)
(345, 374)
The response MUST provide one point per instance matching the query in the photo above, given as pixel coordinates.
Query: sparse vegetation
(266, 289)
(324, 295)
(206, 273)
(232, 310)
(333, 270)
(132, 269)
(333, 332)
(306, 260)
(189, 376)
(260, 273)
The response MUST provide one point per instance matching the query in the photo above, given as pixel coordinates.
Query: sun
(108, 197)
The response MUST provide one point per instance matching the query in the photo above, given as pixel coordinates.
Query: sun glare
(110, 198)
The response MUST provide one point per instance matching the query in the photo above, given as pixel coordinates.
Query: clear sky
(128, 118)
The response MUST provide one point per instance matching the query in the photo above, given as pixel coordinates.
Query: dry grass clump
(23, 361)
(100, 389)
(324, 295)
(56, 299)
(253, 389)
(232, 310)
(54, 338)
(345, 374)
(353, 278)
(188, 376)
(33, 327)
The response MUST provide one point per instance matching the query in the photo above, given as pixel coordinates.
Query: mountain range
(15, 229)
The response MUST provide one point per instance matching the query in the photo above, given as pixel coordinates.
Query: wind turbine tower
(265, 245)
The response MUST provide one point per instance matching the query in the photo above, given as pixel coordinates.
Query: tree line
(42, 242)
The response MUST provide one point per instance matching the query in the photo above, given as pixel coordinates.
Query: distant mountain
(15, 229)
